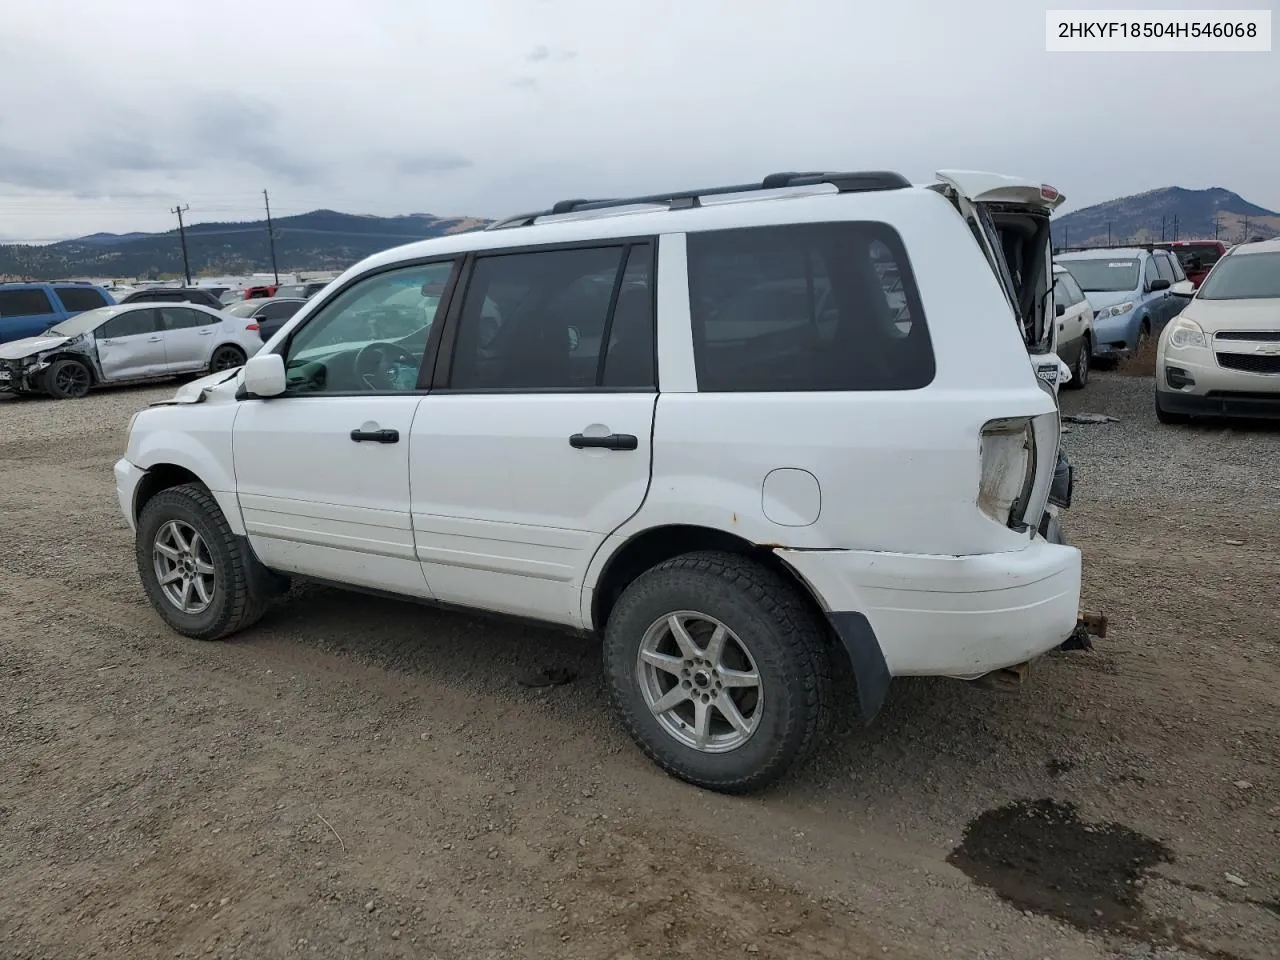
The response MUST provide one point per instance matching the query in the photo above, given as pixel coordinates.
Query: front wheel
(1080, 372)
(718, 670)
(226, 358)
(68, 379)
(195, 572)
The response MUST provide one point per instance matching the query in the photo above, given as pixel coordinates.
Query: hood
(215, 388)
(1244, 315)
(1101, 299)
(29, 346)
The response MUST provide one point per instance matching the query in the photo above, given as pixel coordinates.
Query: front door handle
(614, 441)
(154, 339)
(206, 333)
(375, 436)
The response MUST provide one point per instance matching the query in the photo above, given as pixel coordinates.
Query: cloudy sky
(114, 112)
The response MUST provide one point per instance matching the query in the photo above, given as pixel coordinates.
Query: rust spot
(735, 518)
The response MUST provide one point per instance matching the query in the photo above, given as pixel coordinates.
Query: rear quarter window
(24, 303)
(76, 299)
(806, 307)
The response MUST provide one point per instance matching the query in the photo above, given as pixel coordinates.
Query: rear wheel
(718, 670)
(68, 379)
(226, 358)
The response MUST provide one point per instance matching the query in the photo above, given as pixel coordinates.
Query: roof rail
(853, 182)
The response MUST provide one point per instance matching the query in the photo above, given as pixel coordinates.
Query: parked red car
(254, 293)
(1196, 256)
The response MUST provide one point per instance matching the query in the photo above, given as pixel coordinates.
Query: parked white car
(584, 418)
(126, 342)
(1075, 327)
(1221, 355)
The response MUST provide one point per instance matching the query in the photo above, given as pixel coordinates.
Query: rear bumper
(950, 616)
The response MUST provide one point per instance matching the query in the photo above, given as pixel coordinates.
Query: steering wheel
(376, 364)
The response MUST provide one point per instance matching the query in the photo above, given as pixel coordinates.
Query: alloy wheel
(184, 567)
(700, 682)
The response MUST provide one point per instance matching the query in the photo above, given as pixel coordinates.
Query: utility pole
(182, 232)
(1217, 225)
(1162, 222)
(271, 238)
(1108, 233)
(1176, 227)
(1244, 236)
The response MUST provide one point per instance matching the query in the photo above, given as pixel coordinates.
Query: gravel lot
(363, 778)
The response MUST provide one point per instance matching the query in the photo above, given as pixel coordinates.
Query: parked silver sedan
(126, 342)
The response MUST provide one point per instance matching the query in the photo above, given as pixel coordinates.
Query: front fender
(197, 438)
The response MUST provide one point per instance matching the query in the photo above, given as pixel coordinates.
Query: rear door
(130, 345)
(25, 312)
(534, 443)
(189, 337)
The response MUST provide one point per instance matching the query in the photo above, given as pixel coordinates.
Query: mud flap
(870, 671)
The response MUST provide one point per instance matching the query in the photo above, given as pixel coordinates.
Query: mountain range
(1170, 213)
(319, 240)
(328, 240)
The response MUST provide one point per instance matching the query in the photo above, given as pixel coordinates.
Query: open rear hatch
(1009, 217)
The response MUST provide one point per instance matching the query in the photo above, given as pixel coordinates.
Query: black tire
(242, 587)
(770, 620)
(1168, 417)
(1080, 372)
(1051, 529)
(226, 357)
(67, 379)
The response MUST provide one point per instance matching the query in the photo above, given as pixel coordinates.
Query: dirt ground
(357, 777)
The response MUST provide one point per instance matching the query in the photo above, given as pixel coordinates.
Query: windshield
(1248, 276)
(296, 290)
(82, 322)
(1104, 276)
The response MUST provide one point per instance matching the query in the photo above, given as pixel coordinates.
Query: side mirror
(1060, 310)
(1160, 284)
(264, 375)
(1184, 288)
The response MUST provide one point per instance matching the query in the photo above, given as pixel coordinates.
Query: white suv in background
(1221, 355)
(736, 432)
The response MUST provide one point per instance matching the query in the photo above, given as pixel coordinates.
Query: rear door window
(76, 299)
(181, 318)
(32, 302)
(1164, 267)
(806, 307)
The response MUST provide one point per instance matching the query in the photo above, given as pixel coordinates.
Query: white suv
(742, 434)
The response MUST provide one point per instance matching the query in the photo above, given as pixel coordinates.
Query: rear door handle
(154, 339)
(206, 333)
(614, 441)
(375, 436)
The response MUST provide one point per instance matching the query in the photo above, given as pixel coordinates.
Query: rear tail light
(1008, 456)
(252, 326)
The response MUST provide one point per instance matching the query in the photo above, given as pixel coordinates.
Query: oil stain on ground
(1040, 856)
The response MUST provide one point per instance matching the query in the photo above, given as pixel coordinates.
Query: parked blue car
(1130, 291)
(28, 309)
